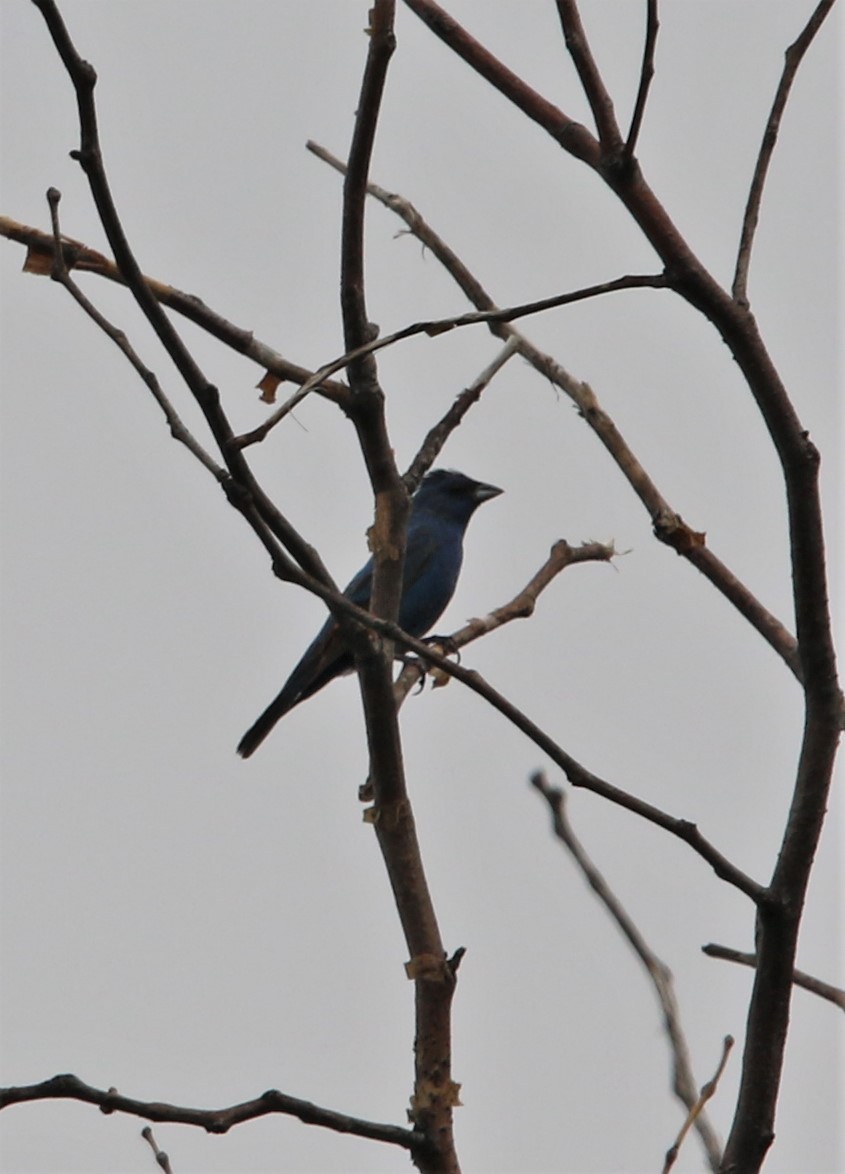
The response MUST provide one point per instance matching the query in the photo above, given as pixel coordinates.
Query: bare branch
(178, 429)
(646, 77)
(707, 1091)
(571, 135)
(69, 1087)
(816, 986)
(600, 101)
(683, 1082)
(794, 56)
(440, 432)
(435, 326)
(77, 255)
(160, 1156)
(242, 489)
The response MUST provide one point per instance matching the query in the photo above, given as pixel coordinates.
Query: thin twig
(242, 489)
(683, 1082)
(161, 1157)
(69, 1087)
(178, 430)
(592, 82)
(793, 57)
(816, 986)
(437, 435)
(646, 77)
(436, 326)
(707, 1091)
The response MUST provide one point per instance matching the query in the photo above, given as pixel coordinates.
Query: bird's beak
(484, 492)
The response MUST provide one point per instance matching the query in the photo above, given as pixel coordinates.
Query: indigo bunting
(440, 512)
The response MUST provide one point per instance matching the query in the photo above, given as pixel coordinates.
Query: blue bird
(440, 512)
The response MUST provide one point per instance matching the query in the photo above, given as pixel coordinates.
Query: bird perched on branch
(440, 512)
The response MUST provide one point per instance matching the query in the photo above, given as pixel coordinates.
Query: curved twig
(683, 1081)
(69, 1087)
(794, 55)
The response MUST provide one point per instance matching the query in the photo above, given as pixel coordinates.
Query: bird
(440, 513)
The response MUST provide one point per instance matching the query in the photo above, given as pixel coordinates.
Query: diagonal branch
(571, 135)
(440, 432)
(794, 56)
(178, 430)
(592, 82)
(79, 256)
(706, 1092)
(683, 1081)
(244, 491)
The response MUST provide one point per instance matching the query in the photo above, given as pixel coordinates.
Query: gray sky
(188, 927)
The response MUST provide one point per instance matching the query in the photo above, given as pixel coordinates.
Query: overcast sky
(189, 927)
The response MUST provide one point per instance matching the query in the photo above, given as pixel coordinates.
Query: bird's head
(452, 494)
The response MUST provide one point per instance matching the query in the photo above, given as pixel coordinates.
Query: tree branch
(69, 1087)
(794, 56)
(435, 1093)
(178, 430)
(77, 255)
(816, 986)
(440, 432)
(683, 1081)
(593, 85)
(244, 491)
(707, 1091)
(646, 78)
(571, 135)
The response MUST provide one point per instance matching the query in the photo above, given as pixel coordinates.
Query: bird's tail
(260, 728)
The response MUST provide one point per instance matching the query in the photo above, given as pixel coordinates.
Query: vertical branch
(646, 77)
(433, 976)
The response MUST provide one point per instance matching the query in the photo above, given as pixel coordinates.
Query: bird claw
(447, 643)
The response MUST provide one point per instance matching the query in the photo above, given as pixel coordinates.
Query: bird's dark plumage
(440, 512)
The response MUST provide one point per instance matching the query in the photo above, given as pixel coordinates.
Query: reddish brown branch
(571, 135)
(592, 82)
